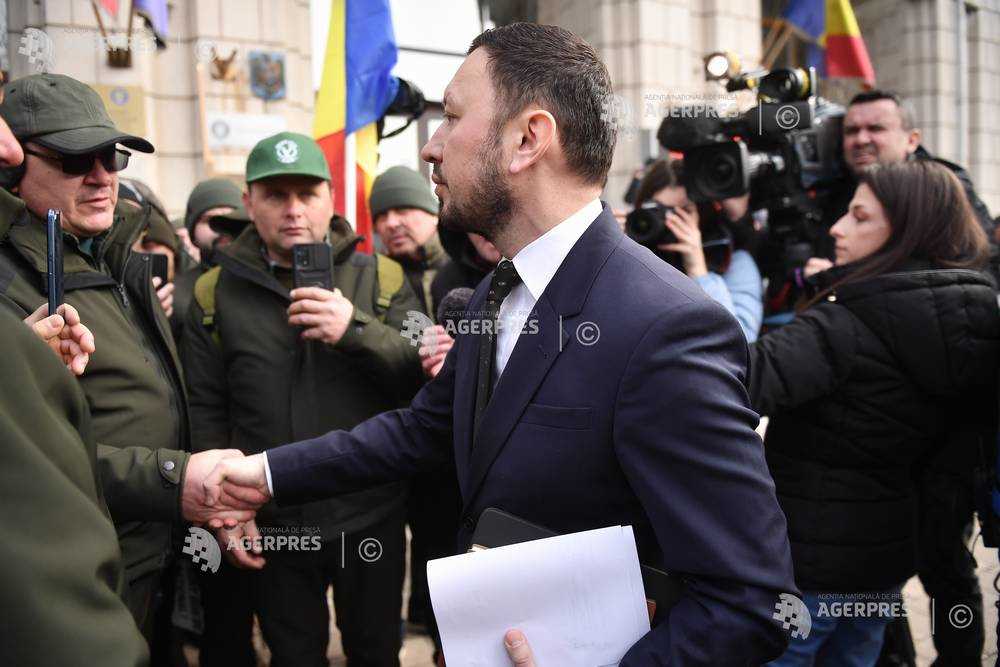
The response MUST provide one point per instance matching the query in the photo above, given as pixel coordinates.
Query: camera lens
(721, 174)
(647, 225)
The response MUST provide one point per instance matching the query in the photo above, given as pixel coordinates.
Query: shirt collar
(538, 261)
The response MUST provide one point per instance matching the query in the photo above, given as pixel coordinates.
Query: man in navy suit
(614, 391)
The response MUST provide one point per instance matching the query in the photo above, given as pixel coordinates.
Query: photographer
(708, 243)
(900, 343)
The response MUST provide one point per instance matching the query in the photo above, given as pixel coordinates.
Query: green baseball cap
(287, 154)
(63, 114)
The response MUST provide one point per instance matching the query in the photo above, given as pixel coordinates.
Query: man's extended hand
(237, 479)
(518, 649)
(434, 346)
(241, 545)
(64, 334)
(165, 294)
(324, 314)
(223, 509)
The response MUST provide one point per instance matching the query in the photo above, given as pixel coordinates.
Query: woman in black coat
(898, 348)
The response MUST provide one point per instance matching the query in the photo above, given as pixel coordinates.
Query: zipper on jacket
(121, 293)
(121, 282)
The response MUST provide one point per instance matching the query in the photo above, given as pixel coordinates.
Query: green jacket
(421, 273)
(133, 382)
(255, 384)
(62, 571)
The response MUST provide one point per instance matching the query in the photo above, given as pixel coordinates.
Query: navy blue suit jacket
(650, 426)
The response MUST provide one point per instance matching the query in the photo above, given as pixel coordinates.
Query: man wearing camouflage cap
(265, 363)
(132, 381)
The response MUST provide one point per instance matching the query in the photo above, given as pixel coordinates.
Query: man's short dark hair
(906, 115)
(549, 65)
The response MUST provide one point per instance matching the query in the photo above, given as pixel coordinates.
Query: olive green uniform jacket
(133, 382)
(421, 273)
(254, 383)
(62, 571)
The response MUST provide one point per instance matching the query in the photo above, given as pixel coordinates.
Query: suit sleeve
(205, 375)
(803, 360)
(63, 600)
(684, 436)
(391, 446)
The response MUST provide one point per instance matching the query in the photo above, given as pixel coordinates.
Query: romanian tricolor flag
(837, 49)
(355, 90)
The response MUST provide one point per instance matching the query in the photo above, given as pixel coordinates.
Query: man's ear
(537, 133)
(913, 141)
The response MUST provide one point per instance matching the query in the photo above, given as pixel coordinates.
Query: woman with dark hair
(706, 245)
(897, 349)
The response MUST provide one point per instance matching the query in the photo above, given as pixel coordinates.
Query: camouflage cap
(287, 154)
(63, 114)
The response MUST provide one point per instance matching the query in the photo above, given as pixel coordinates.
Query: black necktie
(505, 279)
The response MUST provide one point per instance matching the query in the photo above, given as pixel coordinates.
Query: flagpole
(351, 180)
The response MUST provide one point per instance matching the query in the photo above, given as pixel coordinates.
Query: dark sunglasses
(113, 159)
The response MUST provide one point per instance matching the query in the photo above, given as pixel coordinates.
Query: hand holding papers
(578, 597)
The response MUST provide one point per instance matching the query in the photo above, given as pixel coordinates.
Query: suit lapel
(464, 402)
(532, 357)
(529, 362)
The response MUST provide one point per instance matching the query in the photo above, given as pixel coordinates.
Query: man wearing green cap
(132, 381)
(267, 362)
(211, 197)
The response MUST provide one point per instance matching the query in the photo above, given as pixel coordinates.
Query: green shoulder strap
(204, 294)
(390, 281)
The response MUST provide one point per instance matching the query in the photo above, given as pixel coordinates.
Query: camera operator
(708, 242)
(880, 128)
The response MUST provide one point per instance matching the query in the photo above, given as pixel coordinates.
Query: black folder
(497, 528)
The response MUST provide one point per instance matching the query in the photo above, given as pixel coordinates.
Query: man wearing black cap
(211, 197)
(132, 382)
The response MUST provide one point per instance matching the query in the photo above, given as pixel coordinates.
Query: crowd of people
(160, 393)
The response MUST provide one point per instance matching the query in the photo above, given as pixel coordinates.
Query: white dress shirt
(536, 263)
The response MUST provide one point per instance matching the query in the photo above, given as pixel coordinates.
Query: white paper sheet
(578, 598)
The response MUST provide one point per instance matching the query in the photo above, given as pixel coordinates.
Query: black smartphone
(161, 267)
(311, 265)
(54, 259)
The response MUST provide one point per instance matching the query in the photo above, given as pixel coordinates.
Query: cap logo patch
(287, 151)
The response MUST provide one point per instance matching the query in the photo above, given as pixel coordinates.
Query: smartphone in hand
(54, 259)
(311, 265)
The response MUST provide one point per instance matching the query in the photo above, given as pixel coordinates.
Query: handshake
(223, 489)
